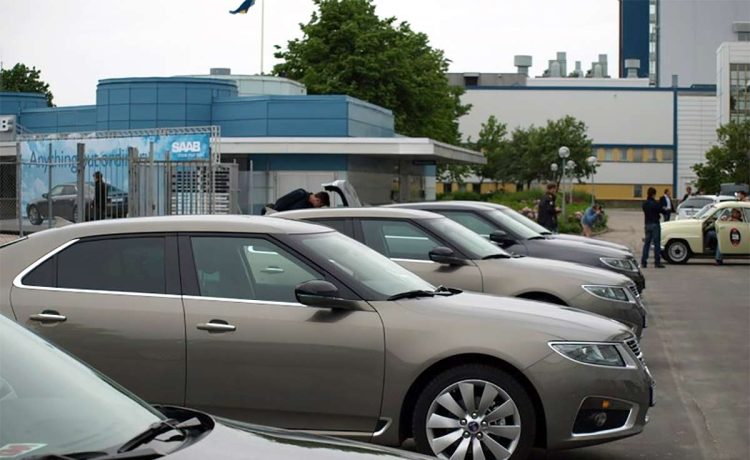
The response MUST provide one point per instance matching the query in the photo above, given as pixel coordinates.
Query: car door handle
(273, 270)
(48, 316)
(217, 325)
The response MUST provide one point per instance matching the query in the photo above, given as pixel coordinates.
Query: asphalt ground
(697, 347)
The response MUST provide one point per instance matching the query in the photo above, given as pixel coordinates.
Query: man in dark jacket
(547, 215)
(301, 199)
(100, 197)
(651, 218)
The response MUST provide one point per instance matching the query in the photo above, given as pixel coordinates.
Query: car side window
(471, 221)
(248, 269)
(57, 190)
(134, 264)
(69, 190)
(398, 239)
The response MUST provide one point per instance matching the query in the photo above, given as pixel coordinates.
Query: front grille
(634, 291)
(635, 348)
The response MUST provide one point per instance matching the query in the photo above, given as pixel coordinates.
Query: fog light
(599, 419)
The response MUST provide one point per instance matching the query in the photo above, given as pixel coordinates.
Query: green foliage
(729, 161)
(20, 78)
(348, 49)
(494, 146)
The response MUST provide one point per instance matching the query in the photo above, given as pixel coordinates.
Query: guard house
(280, 141)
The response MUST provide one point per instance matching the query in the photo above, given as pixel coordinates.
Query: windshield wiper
(447, 291)
(156, 429)
(140, 454)
(412, 294)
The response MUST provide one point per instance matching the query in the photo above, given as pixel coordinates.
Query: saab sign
(189, 147)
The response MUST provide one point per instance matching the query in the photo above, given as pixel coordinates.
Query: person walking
(667, 206)
(100, 197)
(589, 218)
(547, 215)
(652, 225)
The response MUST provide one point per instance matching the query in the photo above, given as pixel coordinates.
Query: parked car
(291, 324)
(444, 252)
(486, 220)
(53, 406)
(684, 239)
(65, 203)
(693, 204)
(518, 217)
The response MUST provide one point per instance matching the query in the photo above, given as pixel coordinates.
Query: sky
(76, 43)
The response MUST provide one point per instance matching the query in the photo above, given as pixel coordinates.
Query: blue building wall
(141, 103)
(634, 21)
(16, 103)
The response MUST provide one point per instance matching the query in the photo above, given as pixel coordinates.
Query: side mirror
(322, 294)
(443, 255)
(501, 238)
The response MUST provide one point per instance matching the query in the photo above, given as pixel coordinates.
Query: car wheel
(677, 252)
(474, 412)
(34, 216)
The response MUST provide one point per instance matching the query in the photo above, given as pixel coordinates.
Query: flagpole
(262, 33)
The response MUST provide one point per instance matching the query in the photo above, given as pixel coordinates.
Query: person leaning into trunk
(652, 211)
(301, 199)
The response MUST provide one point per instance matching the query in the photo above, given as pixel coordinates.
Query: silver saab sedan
(444, 252)
(294, 325)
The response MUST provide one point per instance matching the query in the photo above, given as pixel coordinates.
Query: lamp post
(570, 165)
(592, 161)
(564, 153)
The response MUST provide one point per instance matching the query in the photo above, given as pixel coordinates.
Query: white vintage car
(683, 239)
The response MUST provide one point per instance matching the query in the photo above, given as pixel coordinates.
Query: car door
(409, 245)
(734, 236)
(256, 354)
(114, 302)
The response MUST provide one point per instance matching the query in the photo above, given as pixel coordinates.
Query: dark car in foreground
(54, 407)
(295, 325)
(492, 223)
(65, 198)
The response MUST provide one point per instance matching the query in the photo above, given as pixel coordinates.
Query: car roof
(383, 212)
(733, 204)
(457, 204)
(714, 197)
(197, 223)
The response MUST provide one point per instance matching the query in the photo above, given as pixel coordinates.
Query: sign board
(108, 155)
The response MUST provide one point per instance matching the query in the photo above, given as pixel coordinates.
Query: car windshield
(520, 218)
(695, 202)
(52, 404)
(473, 245)
(361, 265)
(705, 211)
(513, 227)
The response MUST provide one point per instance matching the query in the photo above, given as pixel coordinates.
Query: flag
(244, 7)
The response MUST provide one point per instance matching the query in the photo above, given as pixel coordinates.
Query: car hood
(498, 313)
(557, 269)
(591, 241)
(231, 440)
(677, 225)
(583, 249)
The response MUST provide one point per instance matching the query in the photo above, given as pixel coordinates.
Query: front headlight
(608, 292)
(591, 353)
(620, 264)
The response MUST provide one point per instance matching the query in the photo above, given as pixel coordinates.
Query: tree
(348, 49)
(536, 148)
(729, 161)
(20, 78)
(493, 145)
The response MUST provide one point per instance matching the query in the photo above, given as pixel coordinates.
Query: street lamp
(564, 153)
(592, 161)
(570, 165)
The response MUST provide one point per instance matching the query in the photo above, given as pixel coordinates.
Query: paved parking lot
(697, 346)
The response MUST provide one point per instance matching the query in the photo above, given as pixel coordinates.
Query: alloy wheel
(473, 419)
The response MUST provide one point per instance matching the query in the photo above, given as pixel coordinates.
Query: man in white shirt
(667, 208)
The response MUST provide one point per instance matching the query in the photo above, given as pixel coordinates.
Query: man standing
(651, 216)
(547, 215)
(688, 192)
(667, 208)
(100, 197)
(742, 196)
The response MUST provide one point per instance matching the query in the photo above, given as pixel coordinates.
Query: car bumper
(568, 397)
(631, 314)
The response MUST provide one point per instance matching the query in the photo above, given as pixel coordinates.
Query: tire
(443, 426)
(35, 217)
(677, 252)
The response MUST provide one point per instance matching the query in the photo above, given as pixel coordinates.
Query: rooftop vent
(632, 66)
(522, 62)
(221, 71)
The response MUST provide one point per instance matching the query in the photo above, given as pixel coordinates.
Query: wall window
(638, 191)
(739, 93)
(650, 155)
(638, 155)
(667, 155)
